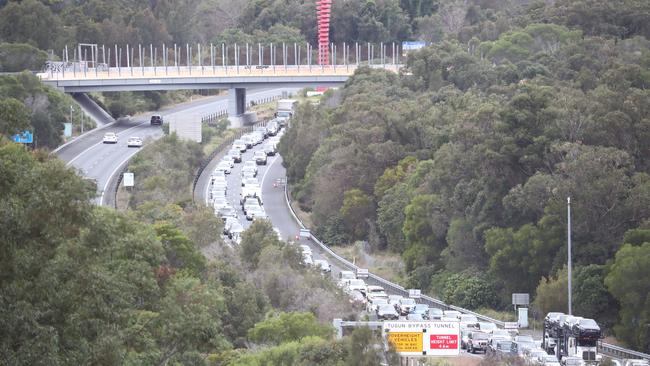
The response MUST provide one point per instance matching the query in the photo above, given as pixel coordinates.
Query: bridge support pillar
(236, 101)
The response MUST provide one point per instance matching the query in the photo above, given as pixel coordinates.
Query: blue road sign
(413, 45)
(24, 138)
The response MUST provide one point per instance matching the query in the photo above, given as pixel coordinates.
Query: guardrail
(620, 352)
(213, 118)
(120, 176)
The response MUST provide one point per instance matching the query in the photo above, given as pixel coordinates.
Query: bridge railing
(197, 59)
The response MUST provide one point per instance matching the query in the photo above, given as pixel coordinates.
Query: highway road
(101, 161)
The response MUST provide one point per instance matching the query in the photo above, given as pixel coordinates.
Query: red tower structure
(324, 10)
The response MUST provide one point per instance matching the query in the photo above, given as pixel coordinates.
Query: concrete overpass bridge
(92, 69)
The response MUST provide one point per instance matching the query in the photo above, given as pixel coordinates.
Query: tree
(523, 251)
(629, 281)
(286, 327)
(188, 320)
(551, 293)
(453, 15)
(181, 252)
(591, 299)
(258, 236)
(14, 117)
(362, 348)
(15, 57)
(425, 227)
(279, 34)
(464, 250)
(470, 290)
(391, 216)
(357, 208)
(30, 22)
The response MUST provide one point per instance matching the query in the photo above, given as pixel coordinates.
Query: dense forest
(463, 162)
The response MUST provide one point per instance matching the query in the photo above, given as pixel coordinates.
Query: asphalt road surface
(101, 162)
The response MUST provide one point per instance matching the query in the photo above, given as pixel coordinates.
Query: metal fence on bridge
(123, 61)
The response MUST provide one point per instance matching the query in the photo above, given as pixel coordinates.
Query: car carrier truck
(573, 340)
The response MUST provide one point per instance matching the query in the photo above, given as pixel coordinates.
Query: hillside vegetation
(462, 164)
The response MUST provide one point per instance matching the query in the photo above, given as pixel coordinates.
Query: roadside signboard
(520, 299)
(510, 325)
(415, 293)
(362, 273)
(423, 338)
(24, 138)
(411, 46)
(128, 179)
(67, 129)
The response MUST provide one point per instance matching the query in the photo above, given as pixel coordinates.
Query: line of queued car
(250, 198)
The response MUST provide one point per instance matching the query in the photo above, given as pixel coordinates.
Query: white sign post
(423, 338)
(128, 179)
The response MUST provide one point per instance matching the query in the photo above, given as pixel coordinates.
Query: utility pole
(568, 208)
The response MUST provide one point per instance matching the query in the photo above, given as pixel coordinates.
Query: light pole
(71, 110)
(568, 208)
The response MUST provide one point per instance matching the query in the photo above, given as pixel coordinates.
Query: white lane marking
(101, 142)
(110, 177)
(264, 177)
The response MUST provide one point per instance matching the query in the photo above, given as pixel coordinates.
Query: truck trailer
(285, 110)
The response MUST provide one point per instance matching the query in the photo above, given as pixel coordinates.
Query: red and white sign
(440, 341)
(438, 338)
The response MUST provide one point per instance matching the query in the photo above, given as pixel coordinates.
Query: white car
(374, 290)
(229, 160)
(249, 182)
(251, 191)
(250, 164)
(452, 314)
(260, 157)
(374, 302)
(355, 285)
(324, 265)
(220, 202)
(468, 321)
(248, 140)
(305, 248)
(110, 138)
(133, 141)
(224, 167)
(239, 145)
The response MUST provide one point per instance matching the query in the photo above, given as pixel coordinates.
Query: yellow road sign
(406, 341)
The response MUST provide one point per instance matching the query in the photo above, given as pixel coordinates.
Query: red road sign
(443, 341)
